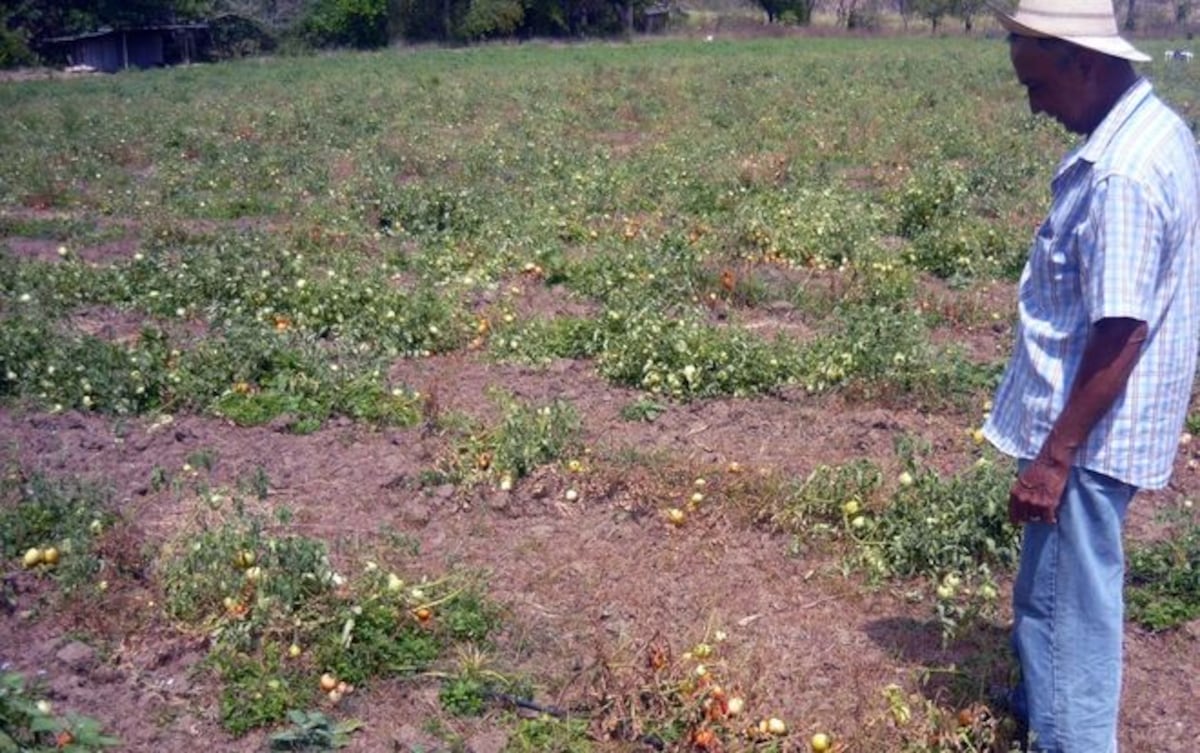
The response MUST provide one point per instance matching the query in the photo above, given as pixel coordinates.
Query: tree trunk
(1131, 16)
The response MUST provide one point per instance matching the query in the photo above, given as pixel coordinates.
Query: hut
(655, 18)
(112, 50)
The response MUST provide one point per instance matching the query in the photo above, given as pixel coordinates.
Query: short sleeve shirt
(1120, 241)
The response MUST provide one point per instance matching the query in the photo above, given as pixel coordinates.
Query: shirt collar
(1095, 145)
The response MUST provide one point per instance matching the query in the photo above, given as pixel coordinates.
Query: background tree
(1183, 11)
(362, 24)
(933, 11)
(967, 10)
(859, 14)
(492, 18)
(796, 11)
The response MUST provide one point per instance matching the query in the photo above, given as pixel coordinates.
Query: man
(1095, 395)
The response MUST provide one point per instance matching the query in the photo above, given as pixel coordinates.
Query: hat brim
(1109, 45)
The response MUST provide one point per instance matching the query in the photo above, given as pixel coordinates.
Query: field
(533, 398)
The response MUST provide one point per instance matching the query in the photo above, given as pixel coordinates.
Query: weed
(643, 409)
(205, 459)
(548, 733)
(257, 482)
(464, 695)
(159, 478)
(313, 730)
(1163, 590)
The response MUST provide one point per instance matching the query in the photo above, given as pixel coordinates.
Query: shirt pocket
(1054, 266)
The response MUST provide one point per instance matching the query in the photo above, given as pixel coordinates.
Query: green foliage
(931, 196)
(81, 372)
(643, 409)
(966, 248)
(934, 525)
(14, 47)
(1163, 582)
(378, 637)
(236, 570)
(952, 532)
(40, 511)
(312, 730)
(684, 357)
(884, 352)
(528, 437)
(808, 225)
(29, 725)
(492, 18)
(816, 505)
(463, 695)
(280, 615)
(403, 221)
(64, 513)
(788, 11)
(256, 689)
(546, 733)
(942, 211)
(525, 437)
(246, 376)
(361, 24)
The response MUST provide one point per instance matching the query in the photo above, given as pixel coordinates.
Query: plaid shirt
(1120, 241)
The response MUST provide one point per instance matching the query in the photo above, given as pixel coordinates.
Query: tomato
(705, 739)
(32, 558)
(735, 706)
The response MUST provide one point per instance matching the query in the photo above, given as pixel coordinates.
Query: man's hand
(1037, 493)
(1111, 353)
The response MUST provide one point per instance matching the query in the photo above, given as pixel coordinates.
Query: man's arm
(1112, 352)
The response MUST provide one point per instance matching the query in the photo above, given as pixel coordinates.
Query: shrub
(362, 24)
(491, 18)
(14, 48)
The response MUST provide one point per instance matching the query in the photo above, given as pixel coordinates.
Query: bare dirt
(590, 585)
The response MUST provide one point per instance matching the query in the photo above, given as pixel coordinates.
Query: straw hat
(1087, 23)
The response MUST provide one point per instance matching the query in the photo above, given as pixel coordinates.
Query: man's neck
(1109, 94)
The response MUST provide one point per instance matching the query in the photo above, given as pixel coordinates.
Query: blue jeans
(1068, 610)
